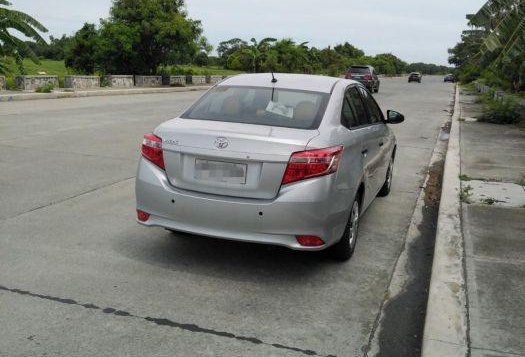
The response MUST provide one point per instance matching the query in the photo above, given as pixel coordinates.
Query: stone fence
(213, 79)
(199, 80)
(3, 84)
(174, 81)
(82, 82)
(121, 81)
(29, 83)
(148, 81)
(34, 82)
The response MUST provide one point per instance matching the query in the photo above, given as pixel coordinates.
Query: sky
(414, 30)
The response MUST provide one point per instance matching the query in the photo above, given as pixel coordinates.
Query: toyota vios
(284, 159)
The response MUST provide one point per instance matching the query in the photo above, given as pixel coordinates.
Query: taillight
(312, 163)
(152, 149)
(368, 77)
(309, 241)
(348, 76)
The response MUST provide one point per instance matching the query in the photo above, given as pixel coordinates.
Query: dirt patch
(434, 183)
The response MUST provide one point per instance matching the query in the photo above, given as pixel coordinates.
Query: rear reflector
(152, 149)
(309, 241)
(312, 163)
(142, 216)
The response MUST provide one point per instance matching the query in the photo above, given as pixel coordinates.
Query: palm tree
(10, 45)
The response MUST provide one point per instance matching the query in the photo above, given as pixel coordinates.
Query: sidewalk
(9, 96)
(493, 225)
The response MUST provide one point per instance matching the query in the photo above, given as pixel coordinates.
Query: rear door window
(356, 104)
(375, 114)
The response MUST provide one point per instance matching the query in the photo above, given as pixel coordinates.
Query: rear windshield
(362, 70)
(261, 106)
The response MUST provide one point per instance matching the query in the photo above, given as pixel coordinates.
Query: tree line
(493, 48)
(148, 36)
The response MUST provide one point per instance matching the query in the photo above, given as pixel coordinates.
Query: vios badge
(222, 142)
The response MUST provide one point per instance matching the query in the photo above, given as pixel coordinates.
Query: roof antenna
(274, 80)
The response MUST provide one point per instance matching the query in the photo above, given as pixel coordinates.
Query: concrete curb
(446, 325)
(96, 93)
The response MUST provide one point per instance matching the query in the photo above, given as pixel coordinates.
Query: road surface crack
(163, 322)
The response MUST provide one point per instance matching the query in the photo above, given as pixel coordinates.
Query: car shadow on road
(222, 258)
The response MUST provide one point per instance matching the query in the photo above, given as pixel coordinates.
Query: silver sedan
(284, 159)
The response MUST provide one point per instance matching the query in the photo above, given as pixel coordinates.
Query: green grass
(211, 70)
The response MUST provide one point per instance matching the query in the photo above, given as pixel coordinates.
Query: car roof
(306, 82)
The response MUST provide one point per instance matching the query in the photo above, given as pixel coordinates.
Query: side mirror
(394, 117)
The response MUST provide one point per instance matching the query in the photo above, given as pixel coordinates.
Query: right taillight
(152, 149)
(312, 163)
(367, 77)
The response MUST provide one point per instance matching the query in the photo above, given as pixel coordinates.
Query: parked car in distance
(414, 77)
(292, 161)
(366, 75)
(449, 78)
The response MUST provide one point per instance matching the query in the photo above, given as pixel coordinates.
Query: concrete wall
(174, 81)
(119, 80)
(33, 82)
(196, 79)
(213, 79)
(148, 81)
(3, 84)
(81, 82)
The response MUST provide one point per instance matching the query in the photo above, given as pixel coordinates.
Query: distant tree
(55, 50)
(140, 35)
(387, 63)
(227, 48)
(349, 50)
(10, 44)
(80, 53)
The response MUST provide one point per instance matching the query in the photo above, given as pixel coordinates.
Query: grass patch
(46, 88)
(465, 194)
(490, 201)
(196, 71)
(464, 177)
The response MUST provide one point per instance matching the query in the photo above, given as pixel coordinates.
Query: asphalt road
(78, 276)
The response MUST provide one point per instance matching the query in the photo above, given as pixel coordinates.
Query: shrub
(505, 110)
(46, 88)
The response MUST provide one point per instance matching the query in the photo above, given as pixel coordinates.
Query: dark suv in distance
(414, 77)
(365, 75)
(449, 78)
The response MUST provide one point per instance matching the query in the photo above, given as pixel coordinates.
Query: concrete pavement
(493, 221)
(79, 277)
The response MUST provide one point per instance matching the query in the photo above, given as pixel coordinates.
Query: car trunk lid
(229, 159)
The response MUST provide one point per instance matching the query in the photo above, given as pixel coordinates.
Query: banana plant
(10, 45)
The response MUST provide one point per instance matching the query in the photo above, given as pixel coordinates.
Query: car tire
(387, 185)
(376, 90)
(344, 249)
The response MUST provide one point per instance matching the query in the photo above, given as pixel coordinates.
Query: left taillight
(152, 149)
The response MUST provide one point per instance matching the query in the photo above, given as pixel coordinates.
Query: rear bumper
(305, 208)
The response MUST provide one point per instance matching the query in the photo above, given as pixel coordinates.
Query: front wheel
(344, 249)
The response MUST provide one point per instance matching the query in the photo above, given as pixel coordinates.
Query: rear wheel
(385, 190)
(344, 249)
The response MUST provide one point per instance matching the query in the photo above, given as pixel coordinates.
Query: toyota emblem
(222, 143)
